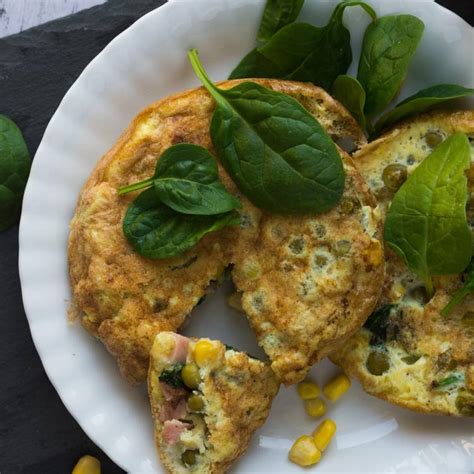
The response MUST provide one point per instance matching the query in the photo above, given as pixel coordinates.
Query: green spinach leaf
(275, 151)
(186, 179)
(426, 223)
(389, 45)
(303, 52)
(350, 93)
(14, 170)
(467, 288)
(156, 231)
(277, 14)
(377, 324)
(422, 101)
(172, 376)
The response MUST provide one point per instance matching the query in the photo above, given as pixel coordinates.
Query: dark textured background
(37, 434)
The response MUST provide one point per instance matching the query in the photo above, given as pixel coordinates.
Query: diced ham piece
(172, 430)
(180, 349)
(172, 394)
(171, 412)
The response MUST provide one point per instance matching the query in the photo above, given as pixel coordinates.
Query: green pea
(320, 230)
(189, 457)
(320, 260)
(452, 364)
(465, 402)
(191, 376)
(195, 403)
(297, 245)
(394, 176)
(378, 362)
(420, 294)
(347, 206)
(433, 139)
(411, 359)
(341, 247)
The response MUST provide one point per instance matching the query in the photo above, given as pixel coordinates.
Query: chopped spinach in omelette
(408, 352)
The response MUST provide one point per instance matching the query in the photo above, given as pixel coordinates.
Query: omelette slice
(408, 353)
(124, 299)
(308, 283)
(207, 400)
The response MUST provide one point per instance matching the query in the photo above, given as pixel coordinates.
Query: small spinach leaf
(14, 170)
(157, 231)
(377, 324)
(389, 45)
(350, 93)
(303, 52)
(277, 14)
(467, 288)
(426, 223)
(172, 376)
(276, 152)
(422, 101)
(186, 179)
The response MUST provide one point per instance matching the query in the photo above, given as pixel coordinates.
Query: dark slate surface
(37, 67)
(37, 435)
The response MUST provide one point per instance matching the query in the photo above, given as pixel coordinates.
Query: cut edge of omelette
(207, 400)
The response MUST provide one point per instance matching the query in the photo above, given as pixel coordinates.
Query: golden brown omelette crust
(416, 328)
(309, 283)
(238, 391)
(124, 299)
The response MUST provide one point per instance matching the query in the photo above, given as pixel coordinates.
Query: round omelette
(308, 283)
(408, 353)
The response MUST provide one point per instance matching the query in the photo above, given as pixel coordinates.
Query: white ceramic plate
(146, 62)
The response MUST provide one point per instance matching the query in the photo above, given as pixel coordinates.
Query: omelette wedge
(207, 400)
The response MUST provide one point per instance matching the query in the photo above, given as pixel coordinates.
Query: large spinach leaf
(157, 231)
(426, 223)
(304, 52)
(186, 179)
(467, 288)
(351, 94)
(277, 14)
(14, 170)
(389, 45)
(275, 151)
(422, 101)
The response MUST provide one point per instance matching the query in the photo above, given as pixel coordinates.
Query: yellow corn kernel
(315, 407)
(87, 465)
(234, 300)
(323, 434)
(204, 352)
(337, 387)
(304, 451)
(308, 390)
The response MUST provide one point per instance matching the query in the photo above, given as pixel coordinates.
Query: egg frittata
(125, 300)
(408, 353)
